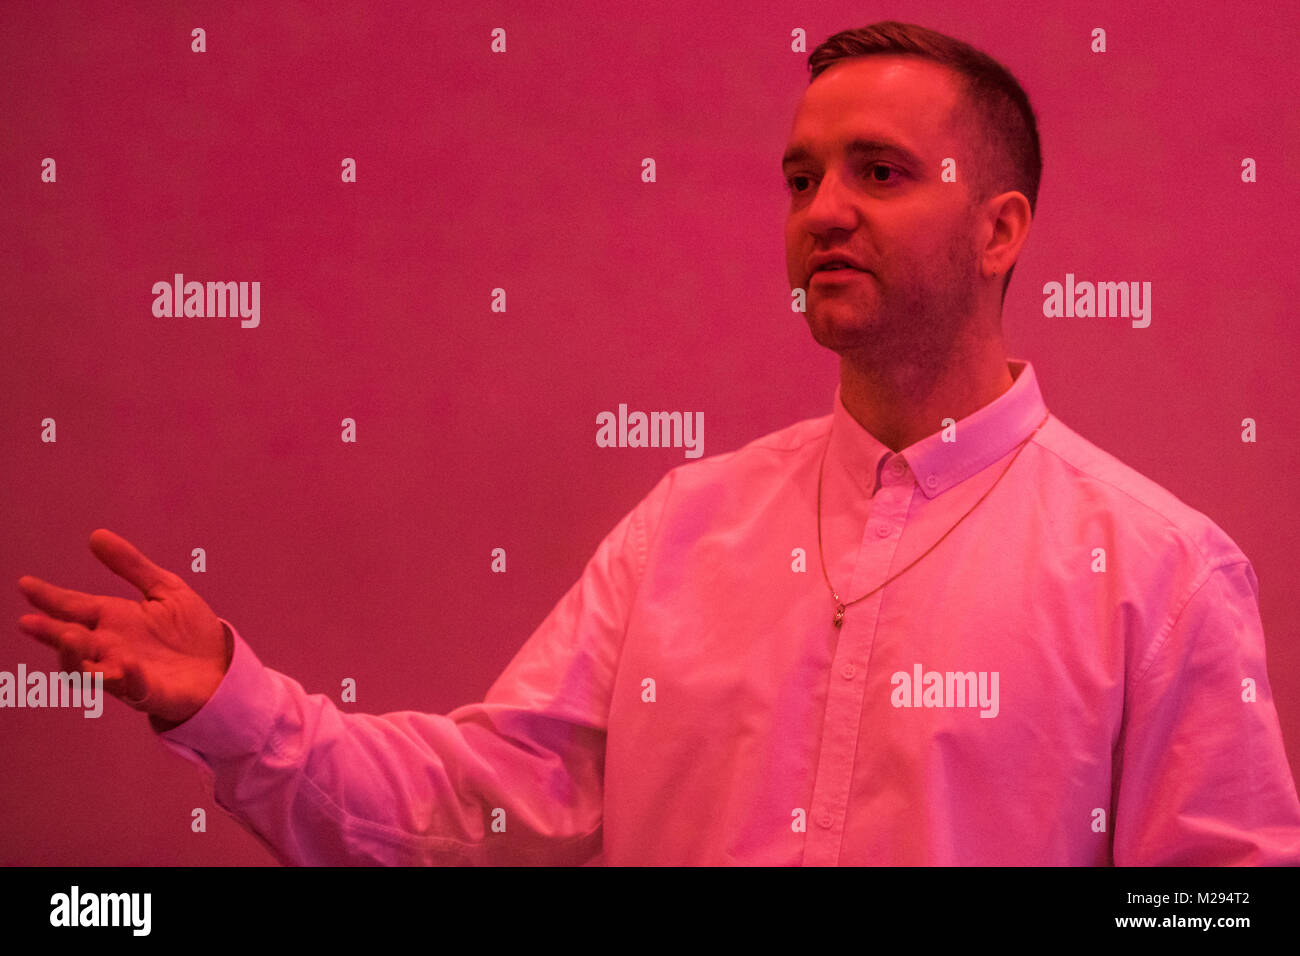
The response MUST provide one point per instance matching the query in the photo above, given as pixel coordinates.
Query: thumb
(126, 561)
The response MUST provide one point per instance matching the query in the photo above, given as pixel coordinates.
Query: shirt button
(848, 670)
(825, 821)
(882, 530)
(897, 467)
(931, 481)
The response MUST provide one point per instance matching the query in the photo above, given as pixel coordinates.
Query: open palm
(164, 655)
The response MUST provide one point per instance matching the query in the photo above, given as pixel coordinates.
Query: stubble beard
(918, 324)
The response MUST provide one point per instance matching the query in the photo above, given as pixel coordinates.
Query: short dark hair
(998, 123)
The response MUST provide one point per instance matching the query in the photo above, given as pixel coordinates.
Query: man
(934, 627)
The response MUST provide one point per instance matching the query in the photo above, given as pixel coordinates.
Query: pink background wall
(476, 429)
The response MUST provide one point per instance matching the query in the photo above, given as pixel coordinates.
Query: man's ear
(1011, 219)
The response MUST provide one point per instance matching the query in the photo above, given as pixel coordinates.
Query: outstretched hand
(164, 655)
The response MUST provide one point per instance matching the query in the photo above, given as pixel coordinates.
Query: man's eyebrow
(857, 147)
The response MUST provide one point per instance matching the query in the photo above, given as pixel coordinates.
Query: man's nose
(832, 206)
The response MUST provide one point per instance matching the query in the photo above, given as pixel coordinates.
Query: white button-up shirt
(1074, 675)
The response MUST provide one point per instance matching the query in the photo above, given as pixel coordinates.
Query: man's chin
(839, 335)
(842, 343)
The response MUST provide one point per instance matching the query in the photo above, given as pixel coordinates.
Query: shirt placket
(847, 682)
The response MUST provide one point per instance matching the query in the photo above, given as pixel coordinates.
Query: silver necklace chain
(841, 606)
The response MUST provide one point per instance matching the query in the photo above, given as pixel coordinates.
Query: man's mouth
(833, 265)
(835, 274)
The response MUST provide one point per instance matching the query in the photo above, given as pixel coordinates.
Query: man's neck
(905, 402)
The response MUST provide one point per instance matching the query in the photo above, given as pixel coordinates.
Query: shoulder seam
(1189, 539)
(1158, 644)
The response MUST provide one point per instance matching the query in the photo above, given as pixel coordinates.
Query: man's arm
(1201, 774)
(518, 778)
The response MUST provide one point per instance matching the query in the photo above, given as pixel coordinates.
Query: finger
(77, 650)
(126, 560)
(122, 679)
(62, 603)
(61, 635)
(88, 652)
(131, 687)
(113, 673)
(114, 683)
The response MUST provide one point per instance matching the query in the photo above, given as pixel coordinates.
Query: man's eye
(793, 183)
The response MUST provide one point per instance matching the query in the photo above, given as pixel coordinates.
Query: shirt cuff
(238, 716)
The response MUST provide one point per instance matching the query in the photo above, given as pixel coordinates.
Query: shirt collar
(984, 436)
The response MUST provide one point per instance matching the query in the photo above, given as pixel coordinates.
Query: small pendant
(839, 610)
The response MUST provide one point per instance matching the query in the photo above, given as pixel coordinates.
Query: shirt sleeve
(516, 779)
(1202, 776)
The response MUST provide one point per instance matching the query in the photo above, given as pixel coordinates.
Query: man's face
(882, 204)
